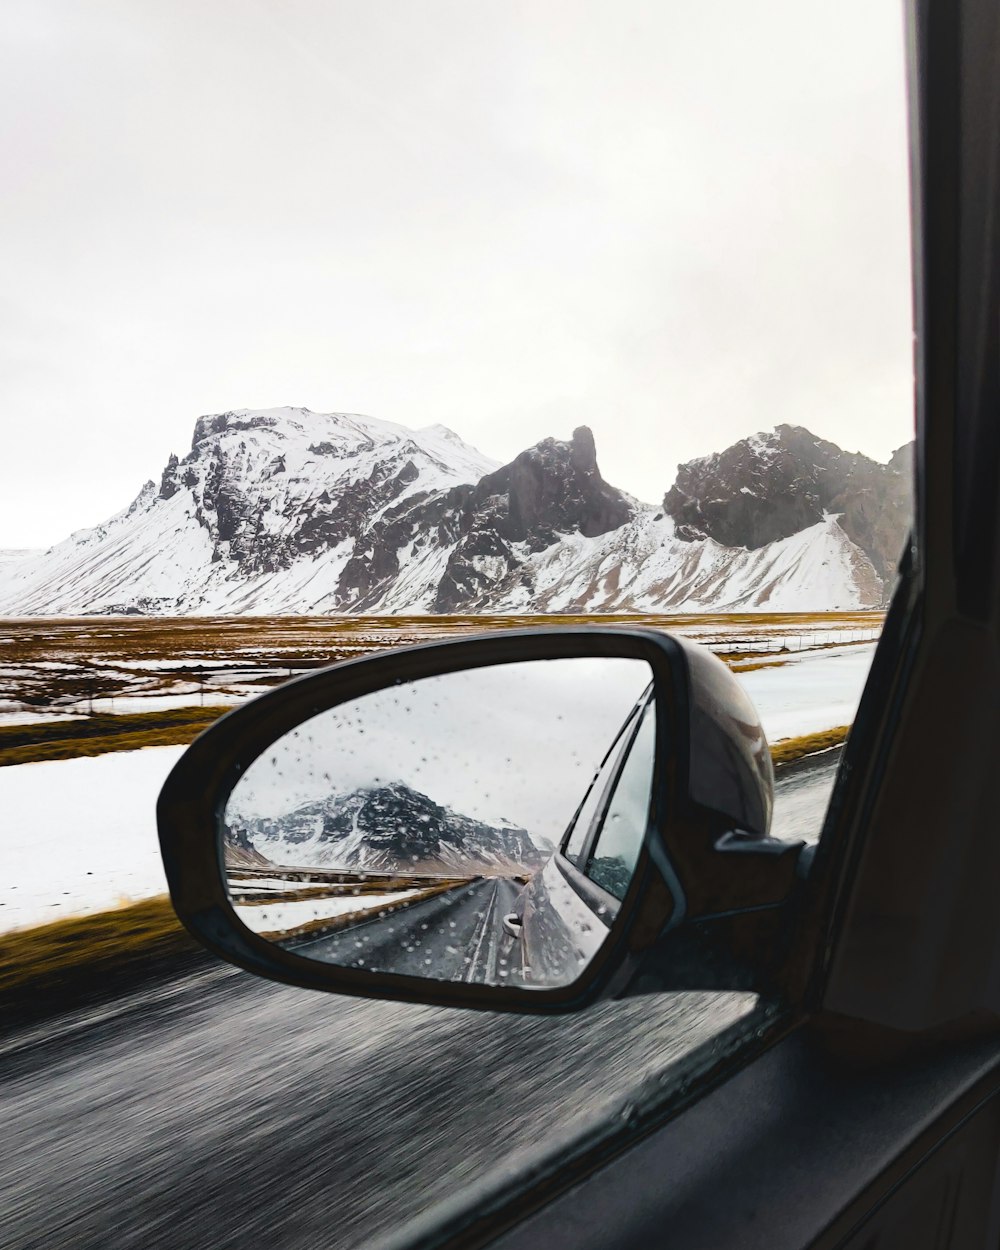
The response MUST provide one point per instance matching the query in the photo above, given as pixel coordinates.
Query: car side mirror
(526, 821)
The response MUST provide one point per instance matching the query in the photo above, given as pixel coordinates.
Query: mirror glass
(477, 826)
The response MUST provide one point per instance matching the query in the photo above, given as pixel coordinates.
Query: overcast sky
(676, 222)
(517, 742)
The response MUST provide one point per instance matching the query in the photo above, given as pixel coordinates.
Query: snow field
(810, 692)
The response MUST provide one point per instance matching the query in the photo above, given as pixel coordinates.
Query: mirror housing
(709, 898)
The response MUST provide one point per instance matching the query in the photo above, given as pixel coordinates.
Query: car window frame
(601, 901)
(601, 815)
(602, 778)
(616, 755)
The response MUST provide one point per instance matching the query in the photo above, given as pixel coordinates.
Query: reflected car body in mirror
(506, 822)
(565, 911)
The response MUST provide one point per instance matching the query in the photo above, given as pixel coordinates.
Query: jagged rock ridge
(285, 510)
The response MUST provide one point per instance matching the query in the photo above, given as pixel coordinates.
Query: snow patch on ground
(811, 693)
(80, 835)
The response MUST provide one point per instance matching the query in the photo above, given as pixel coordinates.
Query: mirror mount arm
(746, 943)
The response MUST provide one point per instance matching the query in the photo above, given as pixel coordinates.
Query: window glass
(584, 818)
(347, 326)
(613, 858)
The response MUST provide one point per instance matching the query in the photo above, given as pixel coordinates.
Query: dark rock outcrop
(168, 481)
(771, 486)
(553, 488)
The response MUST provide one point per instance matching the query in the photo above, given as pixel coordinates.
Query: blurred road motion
(225, 1111)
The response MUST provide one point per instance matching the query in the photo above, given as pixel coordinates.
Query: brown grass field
(80, 679)
(324, 639)
(102, 733)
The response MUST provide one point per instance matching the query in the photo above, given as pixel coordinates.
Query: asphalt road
(452, 937)
(801, 793)
(229, 1112)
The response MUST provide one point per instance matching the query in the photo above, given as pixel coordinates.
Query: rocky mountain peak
(387, 827)
(553, 488)
(484, 531)
(772, 485)
(269, 487)
(287, 510)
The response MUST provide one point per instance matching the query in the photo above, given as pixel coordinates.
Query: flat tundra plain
(67, 667)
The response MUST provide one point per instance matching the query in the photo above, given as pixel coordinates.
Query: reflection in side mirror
(480, 825)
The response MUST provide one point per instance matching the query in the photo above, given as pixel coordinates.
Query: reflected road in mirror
(452, 935)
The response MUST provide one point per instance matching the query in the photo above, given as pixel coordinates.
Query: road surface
(452, 937)
(230, 1112)
(801, 793)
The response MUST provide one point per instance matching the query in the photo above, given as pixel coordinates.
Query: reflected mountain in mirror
(477, 826)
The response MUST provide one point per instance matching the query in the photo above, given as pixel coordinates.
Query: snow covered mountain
(389, 828)
(286, 510)
(262, 514)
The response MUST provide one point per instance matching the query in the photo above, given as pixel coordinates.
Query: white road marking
(485, 928)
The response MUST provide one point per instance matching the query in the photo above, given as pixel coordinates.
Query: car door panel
(801, 1148)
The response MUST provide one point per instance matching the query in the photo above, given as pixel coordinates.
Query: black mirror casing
(706, 855)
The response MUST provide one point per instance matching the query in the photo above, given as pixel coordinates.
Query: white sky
(675, 222)
(518, 742)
